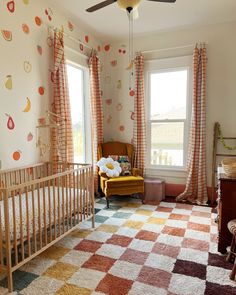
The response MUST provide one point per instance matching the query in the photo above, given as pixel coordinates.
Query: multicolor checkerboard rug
(135, 249)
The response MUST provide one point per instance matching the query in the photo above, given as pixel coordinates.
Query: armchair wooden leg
(108, 203)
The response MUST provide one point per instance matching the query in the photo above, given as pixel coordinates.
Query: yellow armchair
(122, 185)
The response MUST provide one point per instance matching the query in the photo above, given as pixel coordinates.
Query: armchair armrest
(103, 174)
(136, 172)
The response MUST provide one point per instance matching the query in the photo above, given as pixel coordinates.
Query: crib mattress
(37, 201)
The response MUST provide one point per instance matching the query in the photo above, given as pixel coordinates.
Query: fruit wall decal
(109, 101)
(39, 49)
(7, 35)
(49, 13)
(132, 115)
(51, 75)
(70, 26)
(8, 83)
(119, 107)
(122, 50)
(30, 137)
(26, 2)
(109, 119)
(41, 90)
(81, 47)
(10, 122)
(122, 128)
(27, 66)
(114, 63)
(50, 41)
(86, 39)
(107, 47)
(131, 93)
(28, 106)
(17, 155)
(38, 21)
(25, 28)
(119, 84)
(11, 6)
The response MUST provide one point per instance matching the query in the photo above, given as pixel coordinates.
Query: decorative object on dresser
(226, 208)
(232, 253)
(154, 190)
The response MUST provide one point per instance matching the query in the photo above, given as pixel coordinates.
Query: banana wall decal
(28, 106)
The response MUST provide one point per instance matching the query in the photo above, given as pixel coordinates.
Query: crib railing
(38, 212)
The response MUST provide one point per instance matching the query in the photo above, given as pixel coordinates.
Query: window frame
(86, 126)
(161, 66)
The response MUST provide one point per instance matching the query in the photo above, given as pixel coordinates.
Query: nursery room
(117, 147)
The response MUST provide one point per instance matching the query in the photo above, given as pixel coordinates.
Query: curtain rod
(78, 41)
(172, 48)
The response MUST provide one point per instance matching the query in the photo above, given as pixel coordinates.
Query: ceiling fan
(128, 5)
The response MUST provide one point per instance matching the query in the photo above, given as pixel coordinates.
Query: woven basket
(229, 165)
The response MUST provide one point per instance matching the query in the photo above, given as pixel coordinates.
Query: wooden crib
(39, 205)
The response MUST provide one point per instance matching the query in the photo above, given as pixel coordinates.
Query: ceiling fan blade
(164, 1)
(100, 5)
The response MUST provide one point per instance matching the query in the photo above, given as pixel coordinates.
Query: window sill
(167, 169)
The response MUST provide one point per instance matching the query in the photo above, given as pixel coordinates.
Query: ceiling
(111, 23)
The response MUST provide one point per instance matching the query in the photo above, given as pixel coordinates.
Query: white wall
(221, 86)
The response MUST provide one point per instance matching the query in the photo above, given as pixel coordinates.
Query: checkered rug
(135, 249)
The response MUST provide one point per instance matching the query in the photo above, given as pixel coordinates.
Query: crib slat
(77, 196)
(21, 227)
(1, 244)
(67, 205)
(28, 220)
(39, 217)
(63, 204)
(74, 196)
(34, 225)
(44, 214)
(59, 206)
(54, 209)
(84, 192)
(69, 187)
(81, 195)
(50, 211)
(14, 228)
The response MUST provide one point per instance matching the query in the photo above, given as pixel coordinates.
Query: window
(78, 93)
(168, 111)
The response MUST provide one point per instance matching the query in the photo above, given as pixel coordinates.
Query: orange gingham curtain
(62, 139)
(196, 185)
(96, 110)
(139, 110)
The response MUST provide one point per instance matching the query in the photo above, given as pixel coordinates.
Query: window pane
(167, 143)
(168, 95)
(75, 82)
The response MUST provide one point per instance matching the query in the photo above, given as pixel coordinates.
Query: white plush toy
(109, 166)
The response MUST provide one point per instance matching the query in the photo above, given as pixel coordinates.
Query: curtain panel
(62, 138)
(96, 111)
(196, 185)
(139, 136)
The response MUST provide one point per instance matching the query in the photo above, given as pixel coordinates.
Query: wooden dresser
(226, 208)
